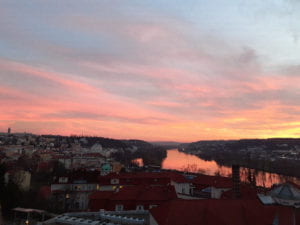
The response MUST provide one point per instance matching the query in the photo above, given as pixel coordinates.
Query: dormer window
(119, 207)
(139, 207)
(77, 187)
(114, 181)
(63, 180)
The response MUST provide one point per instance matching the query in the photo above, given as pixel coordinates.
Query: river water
(181, 161)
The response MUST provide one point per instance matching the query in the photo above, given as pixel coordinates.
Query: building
(206, 186)
(287, 194)
(131, 198)
(72, 191)
(20, 177)
(111, 181)
(101, 218)
(221, 212)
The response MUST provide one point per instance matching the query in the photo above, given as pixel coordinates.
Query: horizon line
(150, 141)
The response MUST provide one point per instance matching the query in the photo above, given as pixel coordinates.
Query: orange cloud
(81, 107)
(152, 81)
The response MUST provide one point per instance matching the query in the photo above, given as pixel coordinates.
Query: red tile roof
(127, 193)
(44, 166)
(287, 215)
(247, 192)
(44, 192)
(130, 196)
(157, 193)
(141, 193)
(203, 181)
(144, 178)
(84, 175)
(101, 195)
(217, 212)
(99, 200)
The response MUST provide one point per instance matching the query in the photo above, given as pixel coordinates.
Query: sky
(157, 70)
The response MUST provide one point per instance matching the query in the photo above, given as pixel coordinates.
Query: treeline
(151, 155)
(232, 145)
(88, 141)
(263, 154)
(279, 166)
(10, 194)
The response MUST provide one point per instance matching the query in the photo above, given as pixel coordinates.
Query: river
(182, 161)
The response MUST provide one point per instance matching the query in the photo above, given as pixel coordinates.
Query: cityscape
(96, 180)
(138, 112)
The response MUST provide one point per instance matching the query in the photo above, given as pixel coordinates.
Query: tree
(12, 196)
(58, 168)
(2, 182)
(2, 179)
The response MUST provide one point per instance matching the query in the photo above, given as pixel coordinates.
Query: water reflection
(185, 162)
(190, 163)
(138, 162)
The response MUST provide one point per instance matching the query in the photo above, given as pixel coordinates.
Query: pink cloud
(163, 83)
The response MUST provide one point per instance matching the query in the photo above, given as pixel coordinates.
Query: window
(139, 207)
(119, 207)
(152, 206)
(77, 187)
(63, 180)
(114, 181)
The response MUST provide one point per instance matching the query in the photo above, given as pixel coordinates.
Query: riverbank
(182, 161)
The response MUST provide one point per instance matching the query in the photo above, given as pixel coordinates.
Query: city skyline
(151, 70)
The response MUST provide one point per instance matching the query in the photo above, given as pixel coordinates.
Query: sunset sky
(158, 70)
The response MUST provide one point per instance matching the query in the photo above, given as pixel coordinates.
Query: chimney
(117, 189)
(236, 181)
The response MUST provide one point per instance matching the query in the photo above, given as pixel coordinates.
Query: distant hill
(167, 144)
(267, 144)
(89, 141)
(274, 155)
(138, 143)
